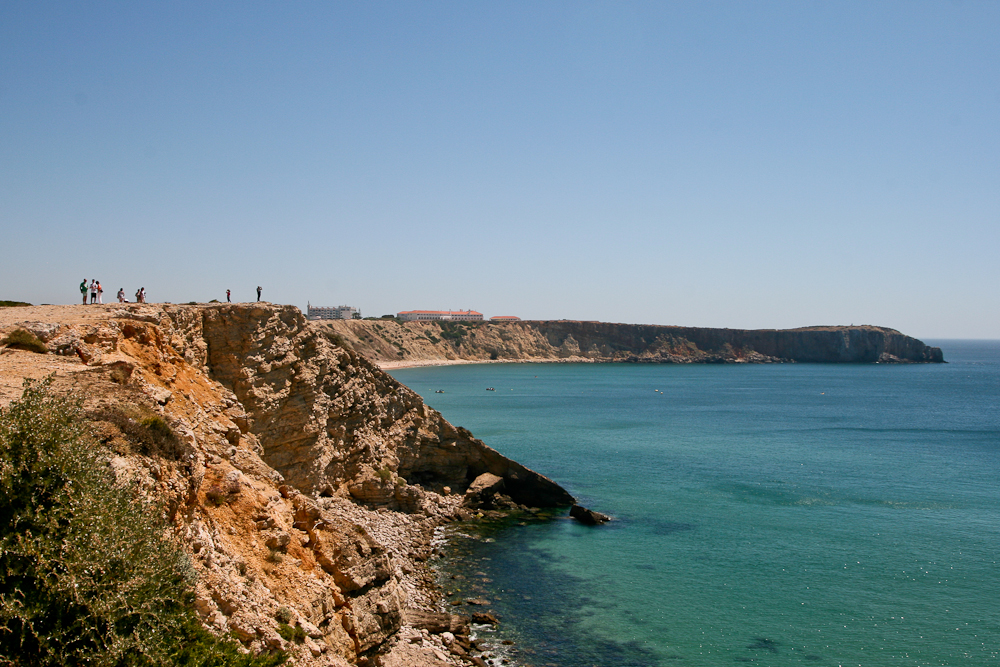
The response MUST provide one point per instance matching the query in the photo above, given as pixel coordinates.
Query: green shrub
(13, 304)
(283, 615)
(291, 634)
(384, 474)
(453, 331)
(88, 574)
(150, 433)
(200, 648)
(20, 339)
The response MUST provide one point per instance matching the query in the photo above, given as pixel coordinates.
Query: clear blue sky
(746, 165)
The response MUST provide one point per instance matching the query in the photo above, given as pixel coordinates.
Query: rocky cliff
(302, 480)
(389, 341)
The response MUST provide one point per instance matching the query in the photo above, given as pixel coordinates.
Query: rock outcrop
(388, 341)
(303, 481)
(588, 517)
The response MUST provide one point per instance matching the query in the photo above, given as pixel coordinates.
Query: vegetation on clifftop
(88, 575)
(20, 339)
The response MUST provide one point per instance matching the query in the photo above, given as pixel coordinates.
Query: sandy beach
(392, 365)
(389, 365)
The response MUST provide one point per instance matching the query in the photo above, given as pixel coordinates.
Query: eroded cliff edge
(305, 482)
(388, 341)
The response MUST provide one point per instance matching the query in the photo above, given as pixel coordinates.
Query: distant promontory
(391, 342)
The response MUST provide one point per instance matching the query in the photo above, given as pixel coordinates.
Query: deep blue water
(793, 514)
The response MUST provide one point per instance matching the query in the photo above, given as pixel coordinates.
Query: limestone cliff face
(330, 421)
(291, 450)
(388, 341)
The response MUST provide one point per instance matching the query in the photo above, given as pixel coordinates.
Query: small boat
(439, 391)
(490, 389)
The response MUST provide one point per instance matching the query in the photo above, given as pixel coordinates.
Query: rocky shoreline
(305, 484)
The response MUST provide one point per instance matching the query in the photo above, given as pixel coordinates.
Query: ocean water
(794, 514)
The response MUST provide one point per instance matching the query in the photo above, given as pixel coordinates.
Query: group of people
(96, 292)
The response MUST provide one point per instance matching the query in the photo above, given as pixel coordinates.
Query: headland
(395, 344)
(308, 483)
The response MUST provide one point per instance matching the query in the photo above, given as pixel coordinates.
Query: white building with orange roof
(440, 315)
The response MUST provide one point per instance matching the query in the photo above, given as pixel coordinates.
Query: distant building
(331, 312)
(505, 318)
(440, 315)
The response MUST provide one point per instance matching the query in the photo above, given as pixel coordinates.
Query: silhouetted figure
(228, 300)
(258, 292)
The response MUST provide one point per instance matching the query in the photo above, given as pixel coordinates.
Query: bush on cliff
(87, 574)
(20, 339)
(148, 432)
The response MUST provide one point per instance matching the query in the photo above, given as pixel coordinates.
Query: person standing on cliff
(83, 291)
(228, 300)
(258, 292)
(100, 292)
(121, 295)
(93, 291)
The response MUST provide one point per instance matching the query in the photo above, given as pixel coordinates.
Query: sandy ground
(61, 314)
(389, 365)
(16, 365)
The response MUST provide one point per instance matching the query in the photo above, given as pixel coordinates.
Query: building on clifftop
(332, 313)
(440, 315)
(505, 318)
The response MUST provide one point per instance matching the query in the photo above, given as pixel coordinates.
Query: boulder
(588, 517)
(482, 489)
(436, 622)
(279, 540)
(485, 618)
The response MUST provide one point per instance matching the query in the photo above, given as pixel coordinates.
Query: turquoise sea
(792, 514)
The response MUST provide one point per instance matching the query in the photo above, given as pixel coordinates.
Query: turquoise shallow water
(794, 514)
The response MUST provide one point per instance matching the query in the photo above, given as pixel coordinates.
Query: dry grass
(20, 339)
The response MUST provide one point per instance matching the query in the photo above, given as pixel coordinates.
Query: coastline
(393, 344)
(417, 363)
(352, 545)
